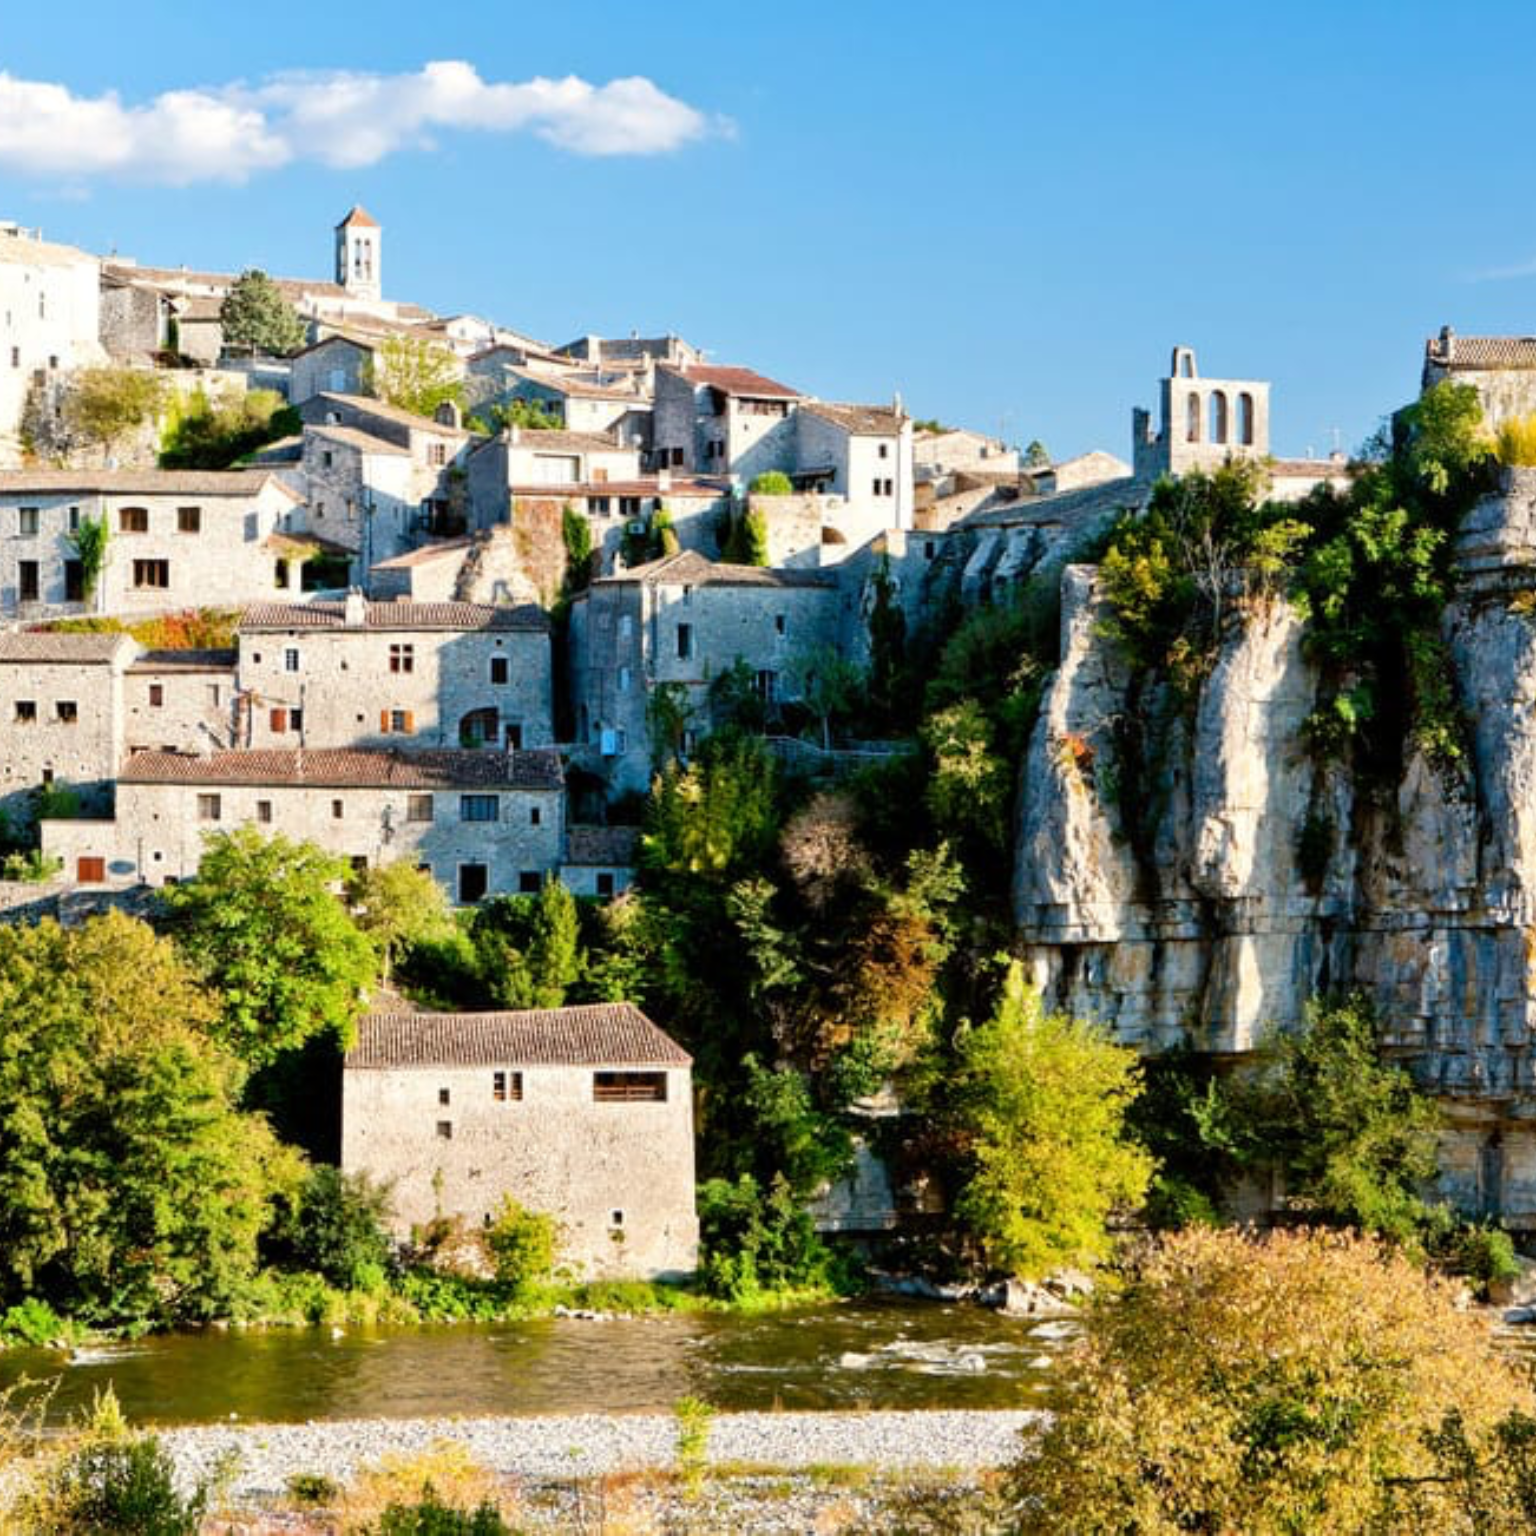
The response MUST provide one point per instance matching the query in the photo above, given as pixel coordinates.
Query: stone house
(50, 313)
(430, 573)
(337, 364)
(685, 620)
(723, 421)
(861, 454)
(616, 402)
(583, 1113)
(397, 674)
(179, 701)
(958, 448)
(1501, 368)
(521, 460)
(600, 861)
(632, 351)
(176, 539)
(61, 717)
(483, 823)
(364, 493)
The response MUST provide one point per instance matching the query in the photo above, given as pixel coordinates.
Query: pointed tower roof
(359, 215)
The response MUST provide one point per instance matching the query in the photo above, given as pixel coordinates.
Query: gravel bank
(589, 1445)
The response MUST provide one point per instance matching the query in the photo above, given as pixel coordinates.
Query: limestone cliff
(1196, 872)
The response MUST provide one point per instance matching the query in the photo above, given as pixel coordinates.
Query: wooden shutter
(410, 723)
(90, 869)
(279, 720)
(384, 722)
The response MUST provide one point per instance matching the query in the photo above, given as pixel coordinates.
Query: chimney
(355, 609)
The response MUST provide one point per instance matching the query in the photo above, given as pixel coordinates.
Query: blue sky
(1007, 213)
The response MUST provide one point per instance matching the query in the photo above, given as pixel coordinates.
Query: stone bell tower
(359, 241)
(1205, 422)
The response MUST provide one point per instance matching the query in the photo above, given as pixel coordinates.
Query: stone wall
(618, 1177)
(178, 705)
(74, 735)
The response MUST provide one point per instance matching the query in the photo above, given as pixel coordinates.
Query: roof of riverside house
(733, 381)
(144, 482)
(399, 614)
(65, 647)
(185, 661)
(594, 1035)
(352, 768)
(601, 845)
(366, 405)
(689, 568)
(859, 420)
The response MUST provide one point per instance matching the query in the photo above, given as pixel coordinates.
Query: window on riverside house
(418, 808)
(156, 695)
(501, 669)
(26, 711)
(479, 808)
(474, 880)
(402, 658)
(507, 1087)
(338, 808)
(68, 711)
(291, 659)
(605, 883)
(529, 882)
(445, 1130)
(535, 816)
(684, 641)
(397, 722)
(189, 519)
(264, 811)
(74, 581)
(133, 520)
(209, 807)
(27, 581)
(443, 1096)
(629, 1087)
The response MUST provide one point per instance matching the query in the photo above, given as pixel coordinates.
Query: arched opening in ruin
(1245, 419)
(1219, 423)
(1192, 419)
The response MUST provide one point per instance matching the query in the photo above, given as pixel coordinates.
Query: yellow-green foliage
(446, 1470)
(1515, 441)
(1270, 1386)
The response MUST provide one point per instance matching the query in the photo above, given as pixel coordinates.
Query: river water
(868, 1354)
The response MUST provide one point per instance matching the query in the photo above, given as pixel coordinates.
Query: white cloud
(339, 118)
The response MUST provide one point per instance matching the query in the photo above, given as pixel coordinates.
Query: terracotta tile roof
(148, 482)
(23, 251)
(364, 442)
(596, 1035)
(41, 645)
(304, 544)
(395, 615)
(689, 568)
(541, 439)
(1473, 352)
(581, 389)
(364, 405)
(736, 381)
(425, 555)
(186, 661)
(177, 278)
(352, 768)
(601, 845)
(359, 216)
(681, 485)
(859, 420)
(362, 343)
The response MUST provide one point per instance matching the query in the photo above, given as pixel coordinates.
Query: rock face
(1194, 874)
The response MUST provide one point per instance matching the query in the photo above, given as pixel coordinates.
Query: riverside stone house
(685, 620)
(484, 823)
(176, 539)
(582, 1113)
(61, 717)
(396, 674)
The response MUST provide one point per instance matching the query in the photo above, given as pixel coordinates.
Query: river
(867, 1354)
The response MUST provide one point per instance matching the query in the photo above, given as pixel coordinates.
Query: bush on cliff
(1298, 1382)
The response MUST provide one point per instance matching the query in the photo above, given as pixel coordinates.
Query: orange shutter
(384, 721)
(410, 723)
(279, 720)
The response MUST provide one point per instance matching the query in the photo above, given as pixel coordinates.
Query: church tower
(358, 242)
(1205, 421)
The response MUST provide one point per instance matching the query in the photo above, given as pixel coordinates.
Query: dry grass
(446, 1469)
(1515, 441)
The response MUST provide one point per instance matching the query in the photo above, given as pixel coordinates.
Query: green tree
(1037, 455)
(262, 924)
(522, 1244)
(92, 543)
(214, 434)
(130, 1186)
(829, 685)
(887, 643)
(747, 541)
(554, 945)
(1042, 1101)
(530, 415)
(334, 1226)
(577, 534)
(718, 814)
(398, 906)
(257, 318)
(101, 406)
(415, 374)
(1275, 1385)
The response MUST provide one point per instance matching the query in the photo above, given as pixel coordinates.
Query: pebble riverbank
(590, 1445)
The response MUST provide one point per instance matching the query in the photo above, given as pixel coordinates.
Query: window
(280, 574)
(68, 711)
(885, 450)
(133, 520)
(74, 519)
(264, 811)
(597, 506)
(615, 1218)
(675, 457)
(1245, 419)
(27, 581)
(535, 816)
(1192, 419)
(437, 454)
(605, 882)
(214, 695)
(445, 1130)
(629, 1087)
(156, 695)
(26, 522)
(479, 808)
(418, 808)
(15, 357)
(629, 506)
(768, 687)
(624, 679)
(209, 807)
(529, 882)
(338, 809)
(290, 658)
(152, 573)
(780, 624)
(325, 458)
(26, 711)
(189, 519)
(514, 736)
(443, 1096)
(479, 728)
(74, 581)
(473, 882)
(684, 641)
(501, 669)
(507, 1087)
(402, 658)
(397, 722)
(882, 487)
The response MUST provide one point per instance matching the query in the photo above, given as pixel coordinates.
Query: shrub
(312, 1488)
(445, 1476)
(1267, 1386)
(753, 1242)
(522, 1245)
(693, 1417)
(335, 1228)
(123, 1486)
(772, 482)
(431, 1518)
(1515, 441)
(32, 1322)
